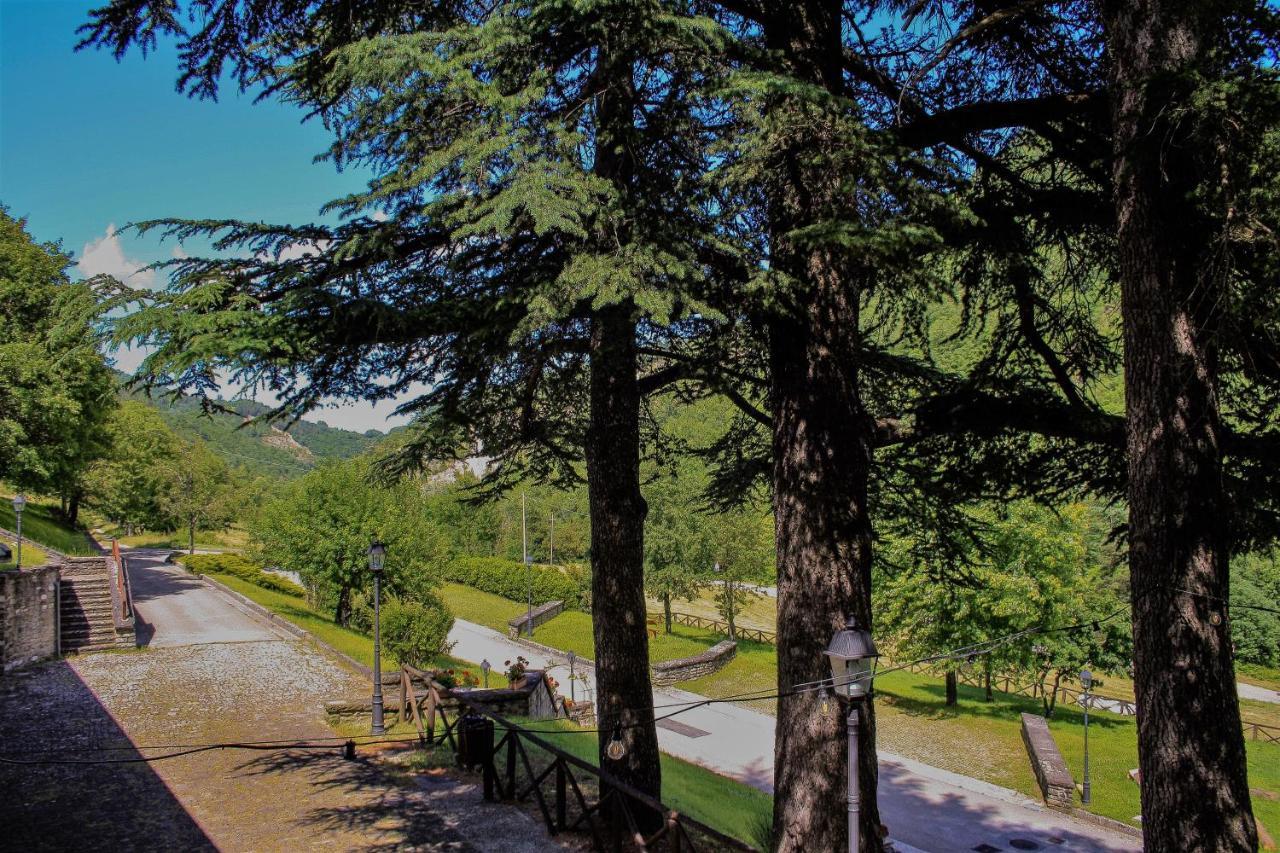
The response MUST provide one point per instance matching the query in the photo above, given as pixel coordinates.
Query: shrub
(510, 579)
(237, 566)
(416, 632)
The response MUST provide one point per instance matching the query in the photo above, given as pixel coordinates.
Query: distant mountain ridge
(267, 449)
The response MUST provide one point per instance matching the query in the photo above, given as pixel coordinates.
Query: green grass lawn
(722, 803)
(234, 539)
(570, 630)
(482, 608)
(31, 553)
(40, 524)
(351, 643)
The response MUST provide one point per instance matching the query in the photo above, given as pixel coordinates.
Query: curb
(1105, 822)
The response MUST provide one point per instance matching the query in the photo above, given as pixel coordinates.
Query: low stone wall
(541, 614)
(28, 616)
(1051, 771)
(685, 669)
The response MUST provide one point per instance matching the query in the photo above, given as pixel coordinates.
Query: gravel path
(122, 705)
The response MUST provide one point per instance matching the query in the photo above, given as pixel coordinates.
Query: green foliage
(416, 631)
(1255, 632)
(256, 445)
(56, 390)
(197, 490)
(240, 567)
(321, 526)
(1032, 568)
(513, 580)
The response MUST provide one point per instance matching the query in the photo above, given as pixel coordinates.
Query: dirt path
(205, 692)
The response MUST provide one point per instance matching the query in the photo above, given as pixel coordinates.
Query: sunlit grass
(40, 524)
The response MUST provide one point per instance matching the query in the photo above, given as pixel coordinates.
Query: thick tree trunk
(191, 536)
(73, 508)
(1195, 793)
(953, 688)
(986, 682)
(624, 694)
(666, 609)
(623, 690)
(342, 612)
(821, 458)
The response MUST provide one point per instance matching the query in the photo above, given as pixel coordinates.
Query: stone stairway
(86, 609)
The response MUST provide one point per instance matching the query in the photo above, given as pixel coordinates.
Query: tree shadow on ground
(391, 812)
(47, 712)
(1003, 706)
(957, 822)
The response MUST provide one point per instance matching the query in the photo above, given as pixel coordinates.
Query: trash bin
(475, 741)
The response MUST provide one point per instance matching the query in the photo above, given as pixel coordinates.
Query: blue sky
(87, 143)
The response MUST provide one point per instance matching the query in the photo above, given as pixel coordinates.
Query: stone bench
(541, 614)
(1056, 784)
(686, 669)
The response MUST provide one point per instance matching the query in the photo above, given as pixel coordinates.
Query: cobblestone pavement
(225, 799)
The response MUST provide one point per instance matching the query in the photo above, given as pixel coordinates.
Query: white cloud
(105, 256)
(300, 249)
(380, 216)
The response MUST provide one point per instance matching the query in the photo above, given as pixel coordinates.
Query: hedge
(237, 566)
(511, 579)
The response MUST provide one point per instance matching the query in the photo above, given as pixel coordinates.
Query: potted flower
(516, 671)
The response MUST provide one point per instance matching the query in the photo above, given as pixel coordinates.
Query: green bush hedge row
(237, 566)
(510, 579)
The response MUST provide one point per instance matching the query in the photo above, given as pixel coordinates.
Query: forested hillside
(281, 453)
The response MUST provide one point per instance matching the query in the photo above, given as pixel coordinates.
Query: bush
(416, 632)
(237, 566)
(510, 579)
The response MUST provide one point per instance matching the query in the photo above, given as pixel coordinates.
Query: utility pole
(528, 566)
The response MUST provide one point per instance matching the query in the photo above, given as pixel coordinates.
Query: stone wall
(1051, 771)
(28, 616)
(542, 614)
(685, 669)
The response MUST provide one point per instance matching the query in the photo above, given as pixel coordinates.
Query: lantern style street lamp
(377, 558)
(852, 655)
(19, 504)
(1086, 681)
(573, 659)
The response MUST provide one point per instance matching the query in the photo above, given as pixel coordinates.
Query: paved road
(174, 608)
(1260, 694)
(925, 808)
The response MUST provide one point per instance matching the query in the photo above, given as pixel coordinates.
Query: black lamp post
(19, 504)
(377, 557)
(853, 654)
(1086, 681)
(573, 696)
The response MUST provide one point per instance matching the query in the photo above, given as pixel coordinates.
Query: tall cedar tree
(1181, 172)
(534, 228)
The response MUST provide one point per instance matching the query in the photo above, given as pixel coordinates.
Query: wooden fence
(718, 626)
(1261, 732)
(582, 797)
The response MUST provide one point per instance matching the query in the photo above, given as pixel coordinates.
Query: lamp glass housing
(1086, 679)
(377, 556)
(852, 655)
(19, 503)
